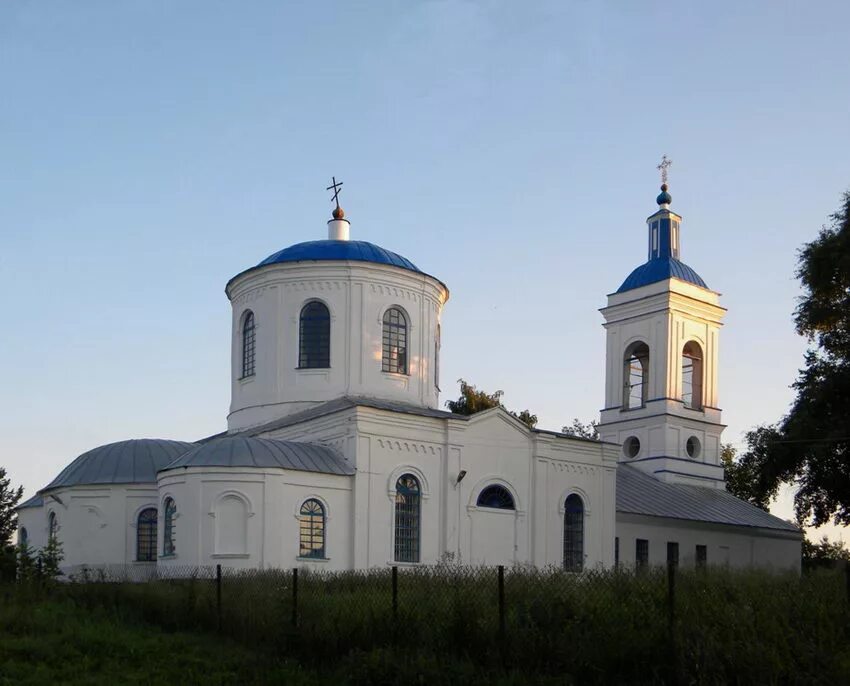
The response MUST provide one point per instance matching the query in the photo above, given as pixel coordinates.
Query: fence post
(218, 597)
(502, 608)
(671, 615)
(295, 597)
(395, 594)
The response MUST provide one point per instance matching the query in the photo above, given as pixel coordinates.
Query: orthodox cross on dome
(336, 187)
(663, 167)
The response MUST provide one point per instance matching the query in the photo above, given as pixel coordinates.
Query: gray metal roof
(35, 501)
(134, 461)
(643, 494)
(245, 451)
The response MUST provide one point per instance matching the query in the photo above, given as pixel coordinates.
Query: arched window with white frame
(146, 524)
(692, 375)
(314, 336)
(169, 509)
(636, 375)
(408, 504)
(249, 345)
(311, 529)
(496, 497)
(394, 342)
(52, 527)
(574, 533)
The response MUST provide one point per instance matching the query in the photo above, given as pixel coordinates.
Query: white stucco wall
(96, 524)
(735, 546)
(357, 295)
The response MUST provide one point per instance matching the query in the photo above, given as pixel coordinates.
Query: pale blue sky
(150, 150)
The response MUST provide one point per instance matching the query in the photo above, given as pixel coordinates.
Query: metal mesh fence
(599, 626)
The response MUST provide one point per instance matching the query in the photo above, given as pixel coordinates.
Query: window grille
(23, 537)
(315, 337)
(407, 516)
(394, 342)
(702, 556)
(672, 553)
(170, 508)
(312, 529)
(52, 526)
(497, 497)
(146, 535)
(641, 553)
(574, 534)
(248, 345)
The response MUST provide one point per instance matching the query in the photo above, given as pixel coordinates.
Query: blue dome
(359, 251)
(660, 269)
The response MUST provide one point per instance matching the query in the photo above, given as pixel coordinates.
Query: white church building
(337, 453)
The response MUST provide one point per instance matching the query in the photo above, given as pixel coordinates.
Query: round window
(693, 446)
(631, 447)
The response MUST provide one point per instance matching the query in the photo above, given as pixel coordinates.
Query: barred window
(394, 342)
(407, 515)
(312, 529)
(170, 510)
(574, 533)
(146, 535)
(636, 376)
(702, 556)
(23, 537)
(52, 526)
(248, 345)
(315, 336)
(692, 376)
(641, 553)
(497, 497)
(672, 553)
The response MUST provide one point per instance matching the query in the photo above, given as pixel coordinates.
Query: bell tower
(663, 330)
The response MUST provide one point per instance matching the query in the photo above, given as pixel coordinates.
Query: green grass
(55, 641)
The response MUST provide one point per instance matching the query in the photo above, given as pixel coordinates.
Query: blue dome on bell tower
(663, 250)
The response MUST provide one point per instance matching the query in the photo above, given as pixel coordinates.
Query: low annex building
(338, 456)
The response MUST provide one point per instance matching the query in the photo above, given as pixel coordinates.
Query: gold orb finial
(338, 213)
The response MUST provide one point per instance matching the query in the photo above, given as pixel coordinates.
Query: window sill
(313, 559)
(247, 379)
(393, 563)
(396, 375)
(315, 370)
(143, 563)
(230, 556)
(172, 556)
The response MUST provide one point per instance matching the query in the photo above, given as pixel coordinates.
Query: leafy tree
(824, 553)
(743, 475)
(812, 448)
(472, 400)
(582, 430)
(9, 498)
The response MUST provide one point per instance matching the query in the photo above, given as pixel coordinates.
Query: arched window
(636, 376)
(52, 526)
(23, 537)
(573, 534)
(394, 342)
(312, 529)
(692, 375)
(170, 510)
(497, 497)
(314, 336)
(146, 535)
(437, 344)
(407, 511)
(249, 345)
